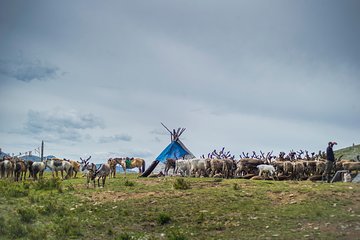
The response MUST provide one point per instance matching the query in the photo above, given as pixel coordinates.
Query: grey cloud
(61, 124)
(115, 138)
(27, 70)
(139, 153)
(159, 131)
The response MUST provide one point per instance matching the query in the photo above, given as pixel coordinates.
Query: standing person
(330, 161)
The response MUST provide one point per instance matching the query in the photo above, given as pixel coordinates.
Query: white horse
(38, 168)
(9, 165)
(56, 164)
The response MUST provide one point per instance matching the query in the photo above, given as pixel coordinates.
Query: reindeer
(102, 172)
(112, 163)
(90, 169)
(170, 163)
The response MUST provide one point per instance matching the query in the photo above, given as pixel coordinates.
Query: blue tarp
(174, 151)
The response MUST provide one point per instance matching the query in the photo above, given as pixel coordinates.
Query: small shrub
(236, 186)
(27, 215)
(16, 229)
(71, 187)
(36, 233)
(163, 218)
(129, 183)
(124, 236)
(68, 226)
(17, 192)
(51, 206)
(110, 232)
(201, 218)
(49, 184)
(181, 184)
(176, 235)
(2, 226)
(26, 185)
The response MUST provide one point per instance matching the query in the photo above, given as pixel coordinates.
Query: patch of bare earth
(280, 198)
(112, 196)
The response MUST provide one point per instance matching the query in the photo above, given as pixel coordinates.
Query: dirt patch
(280, 198)
(112, 196)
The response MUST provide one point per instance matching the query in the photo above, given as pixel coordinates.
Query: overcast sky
(97, 77)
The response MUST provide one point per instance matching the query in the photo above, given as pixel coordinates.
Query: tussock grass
(27, 215)
(159, 209)
(181, 184)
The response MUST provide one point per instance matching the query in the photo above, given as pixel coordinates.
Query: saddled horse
(128, 163)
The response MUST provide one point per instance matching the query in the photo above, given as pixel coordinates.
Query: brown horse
(128, 163)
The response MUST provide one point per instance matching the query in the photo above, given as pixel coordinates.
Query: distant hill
(27, 157)
(2, 154)
(35, 158)
(348, 153)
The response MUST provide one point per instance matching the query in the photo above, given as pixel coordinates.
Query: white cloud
(60, 124)
(115, 138)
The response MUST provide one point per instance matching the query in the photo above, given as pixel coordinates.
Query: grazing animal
(29, 166)
(269, 169)
(229, 168)
(82, 164)
(2, 168)
(183, 167)
(112, 163)
(102, 172)
(170, 163)
(9, 165)
(90, 169)
(198, 166)
(351, 166)
(216, 166)
(128, 163)
(38, 168)
(56, 164)
(20, 170)
(75, 167)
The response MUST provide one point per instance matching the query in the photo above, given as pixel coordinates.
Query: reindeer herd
(17, 168)
(298, 165)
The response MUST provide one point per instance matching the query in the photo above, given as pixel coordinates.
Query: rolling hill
(351, 152)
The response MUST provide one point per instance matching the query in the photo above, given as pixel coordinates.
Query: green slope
(349, 153)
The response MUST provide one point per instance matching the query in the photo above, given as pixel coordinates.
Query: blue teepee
(174, 150)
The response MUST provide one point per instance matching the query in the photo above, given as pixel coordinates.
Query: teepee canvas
(175, 150)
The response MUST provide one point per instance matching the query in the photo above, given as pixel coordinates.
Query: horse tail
(143, 166)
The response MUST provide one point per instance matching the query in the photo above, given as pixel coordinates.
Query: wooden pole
(42, 150)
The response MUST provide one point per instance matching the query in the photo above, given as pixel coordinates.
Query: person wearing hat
(330, 161)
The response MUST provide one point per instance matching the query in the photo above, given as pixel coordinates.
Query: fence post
(42, 150)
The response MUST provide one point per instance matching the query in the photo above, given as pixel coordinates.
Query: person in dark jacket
(330, 161)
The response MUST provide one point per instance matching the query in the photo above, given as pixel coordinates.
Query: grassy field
(348, 153)
(179, 208)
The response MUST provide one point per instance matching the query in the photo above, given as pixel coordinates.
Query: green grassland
(348, 153)
(178, 208)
